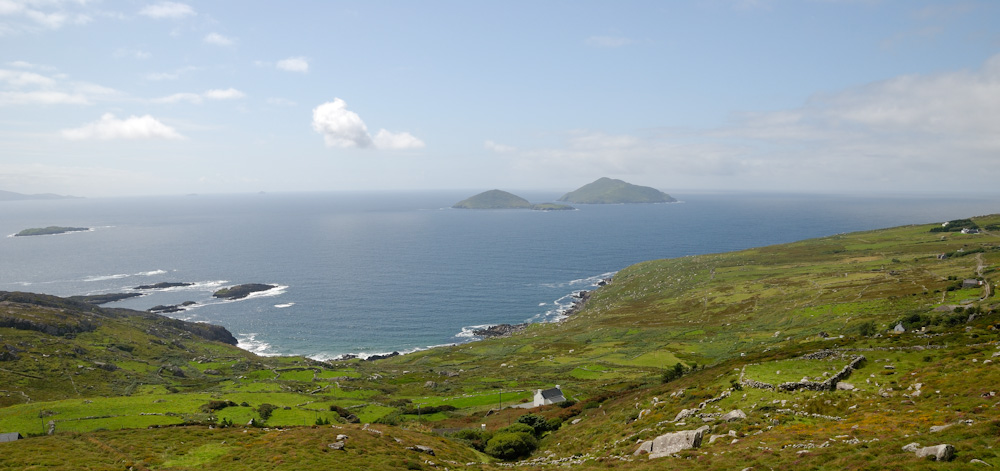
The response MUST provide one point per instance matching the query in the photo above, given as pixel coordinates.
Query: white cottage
(548, 396)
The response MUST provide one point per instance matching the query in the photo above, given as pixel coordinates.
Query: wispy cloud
(341, 127)
(498, 148)
(21, 87)
(896, 132)
(197, 98)
(294, 64)
(30, 16)
(109, 127)
(167, 10)
(132, 53)
(219, 40)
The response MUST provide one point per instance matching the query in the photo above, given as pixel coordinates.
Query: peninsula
(499, 199)
(610, 191)
(51, 230)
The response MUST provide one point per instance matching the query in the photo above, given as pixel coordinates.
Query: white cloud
(609, 41)
(219, 40)
(134, 127)
(196, 98)
(227, 94)
(396, 140)
(341, 127)
(167, 10)
(294, 64)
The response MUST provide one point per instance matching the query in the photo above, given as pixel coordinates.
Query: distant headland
(610, 191)
(499, 199)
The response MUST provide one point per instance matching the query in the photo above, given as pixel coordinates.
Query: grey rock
(938, 428)
(978, 461)
(421, 449)
(845, 386)
(734, 415)
(685, 413)
(336, 446)
(911, 447)
(671, 443)
(942, 452)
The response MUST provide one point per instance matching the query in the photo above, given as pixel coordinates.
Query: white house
(548, 396)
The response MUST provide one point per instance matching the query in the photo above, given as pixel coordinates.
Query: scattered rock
(734, 415)
(336, 446)
(845, 386)
(341, 437)
(421, 449)
(671, 443)
(938, 428)
(685, 414)
(978, 461)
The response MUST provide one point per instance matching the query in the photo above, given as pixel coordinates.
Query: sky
(118, 98)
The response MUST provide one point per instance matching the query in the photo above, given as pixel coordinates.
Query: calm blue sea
(377, 272)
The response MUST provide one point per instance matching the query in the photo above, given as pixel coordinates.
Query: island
(164, 285)
(499, 199)
(241, 291)
(51, 230)
(610, 191)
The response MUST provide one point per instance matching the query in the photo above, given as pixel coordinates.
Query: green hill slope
(610, 191)
(702, 334)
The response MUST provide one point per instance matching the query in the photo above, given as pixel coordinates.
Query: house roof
(552, 393)
(9, 437)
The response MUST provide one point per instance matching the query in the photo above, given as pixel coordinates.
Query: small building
(971, 283)
(545, 397)
(10, 437)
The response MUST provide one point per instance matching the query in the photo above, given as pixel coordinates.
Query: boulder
(734, 415)
(685, 413)
(336, 446)
(671, 443)
(942, 452)
(845, 386)
(938, 428)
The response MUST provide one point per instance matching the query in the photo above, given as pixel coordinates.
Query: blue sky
(107, 98)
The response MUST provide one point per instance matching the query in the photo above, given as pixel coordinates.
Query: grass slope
(725, 318)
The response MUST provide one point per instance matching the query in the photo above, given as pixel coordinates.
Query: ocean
(368, 273)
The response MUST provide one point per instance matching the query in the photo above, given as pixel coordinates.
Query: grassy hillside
(665, 336)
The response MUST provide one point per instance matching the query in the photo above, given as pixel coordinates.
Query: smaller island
(51, 230)
(163, 285)
(610, 191)
(499, 199)
(242, 291)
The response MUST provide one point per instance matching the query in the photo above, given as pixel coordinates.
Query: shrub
(265, 410)
(475, 438)
(673, 373)
(511, 445)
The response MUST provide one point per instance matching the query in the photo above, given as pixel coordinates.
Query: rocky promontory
(499, 330)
